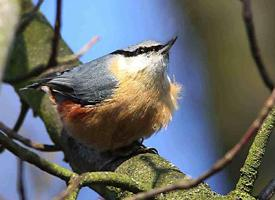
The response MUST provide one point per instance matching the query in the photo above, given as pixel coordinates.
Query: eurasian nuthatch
(117, 99)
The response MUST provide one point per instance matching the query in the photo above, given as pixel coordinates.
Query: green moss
(152, 171)
(249, 171)
(7, 29)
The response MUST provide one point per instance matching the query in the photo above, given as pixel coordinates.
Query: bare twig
(221, 163)
(27, 18)
(71, 58)
(29, 143)
(255, 51)
(268, 191)
(72, 189)
(23, 112)
(66, 61)
(55, 41)
(20, 179)
(20, 165)
(91, 179)
(34, 159)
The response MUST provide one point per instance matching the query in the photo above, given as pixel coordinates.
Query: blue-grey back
(89, 83)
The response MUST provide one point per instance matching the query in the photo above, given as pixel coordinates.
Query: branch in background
(52, 62)
(256, 152)
(34, 159)
(104, 178)
(55, 41)
(20, 179)
(255, 51)
(22, 115)
(268, 191)
(91, 179)
(28, 142)
(20, 165)
(72, 58)
(38, 70)
(9, 15)
(251, 166)
(2, 149)
(221, 163)
(27, 18)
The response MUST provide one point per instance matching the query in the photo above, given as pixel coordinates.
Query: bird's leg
(143, 149)
(125, 153)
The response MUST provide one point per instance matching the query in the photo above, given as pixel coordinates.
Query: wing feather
(90, 83)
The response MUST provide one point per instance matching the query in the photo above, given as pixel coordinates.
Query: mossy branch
(93, 179)
(35, 159)
(249, 171)
(7, 29)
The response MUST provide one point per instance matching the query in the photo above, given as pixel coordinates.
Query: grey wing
(87, 84)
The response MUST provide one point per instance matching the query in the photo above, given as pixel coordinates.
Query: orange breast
(132, 113)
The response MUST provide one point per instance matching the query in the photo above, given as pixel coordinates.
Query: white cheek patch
(133, 64)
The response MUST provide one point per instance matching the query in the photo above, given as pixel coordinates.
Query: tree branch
(255, 51)
(20, 165)
(33, 158)
(20, 179)
(22, 115)
(28, 142)
(72, 58)
(221, 163)
(268, 191)
(27, 18)
(55, 41)
(105, 178)
(62, 63)
(90, 179)
(7, 28)
(249, 171)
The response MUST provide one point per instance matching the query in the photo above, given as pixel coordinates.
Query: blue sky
(188, 141)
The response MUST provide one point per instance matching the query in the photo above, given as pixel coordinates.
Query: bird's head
(149, 55)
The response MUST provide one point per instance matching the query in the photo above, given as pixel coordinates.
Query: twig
(23, 112)
(27, 18)
(20, 179)
(81, 52)
(29, 143)
(268, 191)
(255, 51)
(104, 178)
(20, 165)
(221, 163)
(55, 41)
(71, 191)
(39, 69)
(34, 159)
(91, 179)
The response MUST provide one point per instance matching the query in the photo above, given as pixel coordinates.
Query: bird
(117, 99)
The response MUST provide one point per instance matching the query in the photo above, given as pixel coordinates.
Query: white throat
(138, 63)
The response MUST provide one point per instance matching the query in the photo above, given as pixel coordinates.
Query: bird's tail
(31, 86)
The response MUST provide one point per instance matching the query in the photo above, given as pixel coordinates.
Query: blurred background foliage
(237, 91)
(222, 89)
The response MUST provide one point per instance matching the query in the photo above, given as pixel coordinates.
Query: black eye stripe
(138, 51)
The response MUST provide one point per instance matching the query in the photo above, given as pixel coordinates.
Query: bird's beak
(166, 47)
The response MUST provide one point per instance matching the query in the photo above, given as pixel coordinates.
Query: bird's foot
(143, 149)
